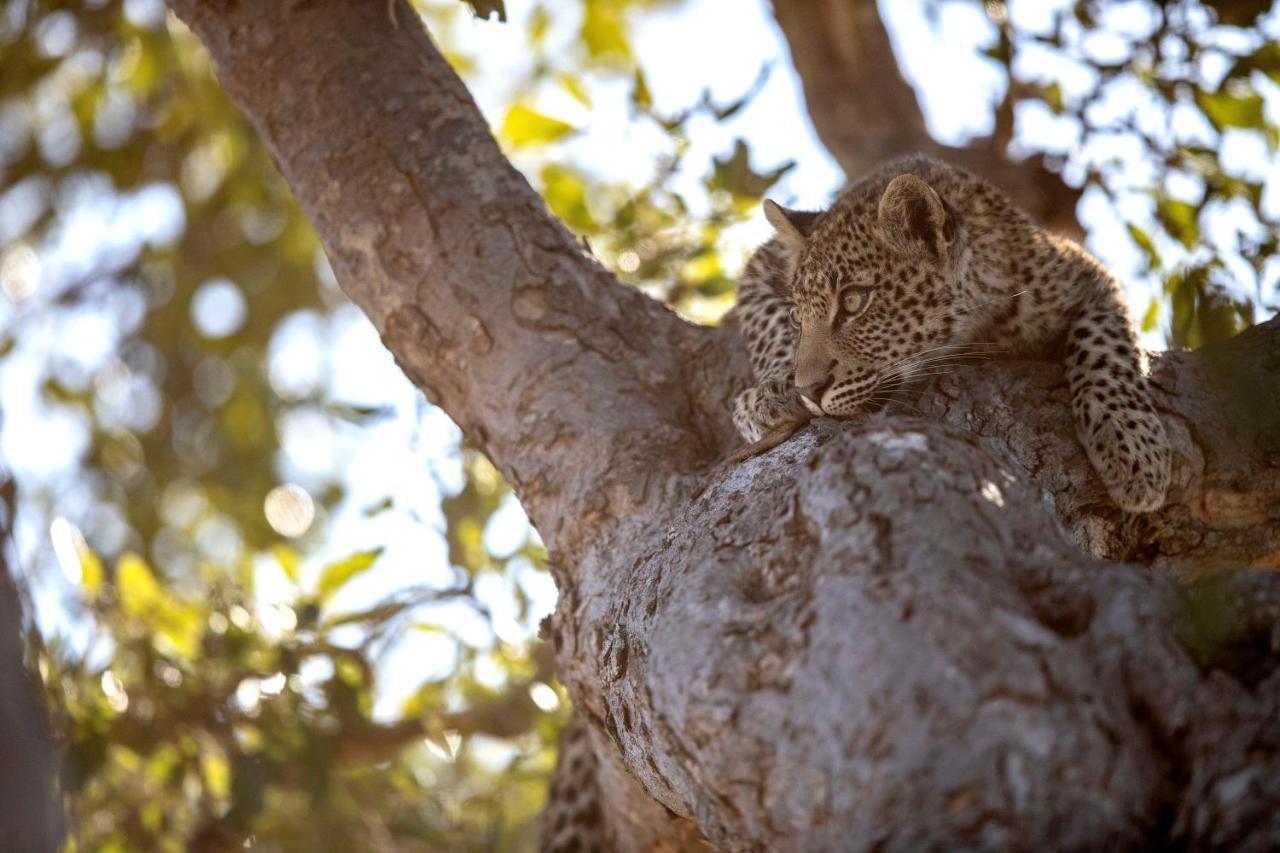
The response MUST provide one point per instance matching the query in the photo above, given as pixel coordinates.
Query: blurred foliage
(646, 233)
(215, 719)
(169, 305)
(1171, 110)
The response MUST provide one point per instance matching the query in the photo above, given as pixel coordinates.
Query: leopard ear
(793, 226)
(915, 219)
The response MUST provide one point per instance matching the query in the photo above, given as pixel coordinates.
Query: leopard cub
(916, 264)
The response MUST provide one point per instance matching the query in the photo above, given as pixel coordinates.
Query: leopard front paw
(770, 407)
(1130, 451)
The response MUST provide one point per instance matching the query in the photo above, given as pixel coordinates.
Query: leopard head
(872, 285)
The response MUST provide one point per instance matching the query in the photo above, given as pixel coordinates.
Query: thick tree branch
(1222, 408)
(576, 387)
(879, 637)
(865, 112)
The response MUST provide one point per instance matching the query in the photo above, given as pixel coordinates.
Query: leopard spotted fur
(572, 821)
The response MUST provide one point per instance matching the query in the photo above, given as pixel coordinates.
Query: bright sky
(407, 455)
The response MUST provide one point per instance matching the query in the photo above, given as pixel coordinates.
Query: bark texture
(30, 815)
(880, 635)
(865, 112)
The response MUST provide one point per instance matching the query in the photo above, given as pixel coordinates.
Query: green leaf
(1265, 59)
(176, 625)
(215, 771)
(1052, 97)
(640, 94)
(523, 126)
(55, 391)
(565, 192)
(999, 52)
(574, 87)
(604, 31)
(1144, 243)
(1181, 290)
(136, 585)
(539, 23)
(289, 559)
(1203, 311)
(484, 8)
(1179, 219)
(378, 507)
(735, 175)
(1151, 316)
(1231, 109)
(334, 575)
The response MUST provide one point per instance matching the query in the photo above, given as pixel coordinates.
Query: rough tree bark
(865, 112)
(879, 635)
(30, 816)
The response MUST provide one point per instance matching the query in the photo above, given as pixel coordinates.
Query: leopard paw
(1130, 451)
(771, 407)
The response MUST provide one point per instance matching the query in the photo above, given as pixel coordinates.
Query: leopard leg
(1115, 415)
(773, 405)
(572, 819)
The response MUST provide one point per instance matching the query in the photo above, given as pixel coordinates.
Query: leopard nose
(813, 393)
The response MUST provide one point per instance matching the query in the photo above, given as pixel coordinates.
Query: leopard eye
(854, 300)
(793, 317)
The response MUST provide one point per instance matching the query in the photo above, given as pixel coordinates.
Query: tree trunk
(30, 815)
(881, 634)
(865, 112)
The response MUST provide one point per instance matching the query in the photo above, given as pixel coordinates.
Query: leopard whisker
(974, 349)
(880, 399)
(911, 372)
(957, 360)
(929, 356)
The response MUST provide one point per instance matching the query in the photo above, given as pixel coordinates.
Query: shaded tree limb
(876, 635)
(31, 816)
(865, 112)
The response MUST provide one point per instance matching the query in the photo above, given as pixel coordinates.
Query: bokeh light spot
(289, 510)
(544, 696)
(19, 272)
(218, 308)
(68, 542)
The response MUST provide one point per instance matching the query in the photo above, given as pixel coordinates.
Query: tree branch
(865, 112)
(1221, 406)
(879, 637)
(576, 387)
